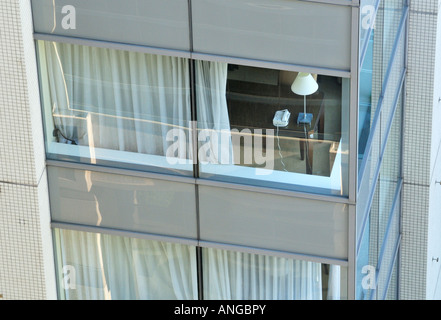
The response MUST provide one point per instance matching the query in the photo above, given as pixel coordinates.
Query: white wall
(433, 290)
(26, 256)
(421, 239)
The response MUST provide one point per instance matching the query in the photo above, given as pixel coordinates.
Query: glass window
(272, 127)
(231, 275)
(94, 266)
(255, 125)
(365, 111)
(382, 60)
(119, 108)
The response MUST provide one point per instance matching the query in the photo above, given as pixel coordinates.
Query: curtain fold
(230, 275)
(133, 99)
(119, 268)
(129, 101)
(104, 266)
(215, 145)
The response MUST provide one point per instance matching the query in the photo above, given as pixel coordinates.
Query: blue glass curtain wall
(382, 77)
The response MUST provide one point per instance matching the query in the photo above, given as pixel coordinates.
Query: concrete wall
(421, 221)
(433, 290)
(26, 256)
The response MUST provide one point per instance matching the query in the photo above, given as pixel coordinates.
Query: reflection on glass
(230, 275)
(365, 115)
(103, 100)
(270, 131)
(380, 23)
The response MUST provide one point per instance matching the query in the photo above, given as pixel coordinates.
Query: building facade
(194, 149)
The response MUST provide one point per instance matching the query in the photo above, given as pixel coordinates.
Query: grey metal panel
(297, 32)
(274, 253)
(273, 222)
(154, 23)
(122, 202)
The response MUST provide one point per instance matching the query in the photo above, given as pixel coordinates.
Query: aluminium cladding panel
(151, 23)
(121, 202)
(273, 222)
(285, 31)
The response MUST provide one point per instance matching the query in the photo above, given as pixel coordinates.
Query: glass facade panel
(392, 94)
(381, 66)
(134, 110)
(231, 119)
(252, 145)
(393, 289)
(231, 275)
(380, 150)
(369, 179)
(365, 270)
(95, 266)
(388, 254)
(365, 110)
(118, 108)
(368, 12)
(390, 173)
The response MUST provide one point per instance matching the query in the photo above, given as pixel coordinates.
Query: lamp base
(304, 118)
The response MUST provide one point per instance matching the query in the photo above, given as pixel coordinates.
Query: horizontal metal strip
(194, 242)
(123, 233)
(120, 171)
(193, 55)
(274, 191)
(351, 3)
(271, 65)
(276, 253)
(112, 45)
(199, 181)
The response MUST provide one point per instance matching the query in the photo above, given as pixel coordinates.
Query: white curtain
(100, 266)
(129, 101)
(230, 275)
(95, 266)
(215, 144)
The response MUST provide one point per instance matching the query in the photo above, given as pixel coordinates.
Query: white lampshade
(304, 84)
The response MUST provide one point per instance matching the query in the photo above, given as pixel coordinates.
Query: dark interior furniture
(253, 105)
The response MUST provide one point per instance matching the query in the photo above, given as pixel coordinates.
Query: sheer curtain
(234, 275)
(119, 268)
(131, 99)
(120, 100)
(215, 145)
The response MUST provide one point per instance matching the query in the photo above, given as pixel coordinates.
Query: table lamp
(304, 84)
